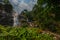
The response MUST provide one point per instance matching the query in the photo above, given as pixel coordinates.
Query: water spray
(19, 6)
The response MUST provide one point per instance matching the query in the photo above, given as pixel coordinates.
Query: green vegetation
(17, 33)
(47, 17)
(41, 17)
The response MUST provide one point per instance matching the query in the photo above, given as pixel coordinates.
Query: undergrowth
(20, 33)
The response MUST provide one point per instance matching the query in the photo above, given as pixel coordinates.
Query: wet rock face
(6, 18)
(8, 8)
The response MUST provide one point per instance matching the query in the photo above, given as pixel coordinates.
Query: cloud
(14, 1)
(20, 5)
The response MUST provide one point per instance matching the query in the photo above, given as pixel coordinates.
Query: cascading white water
(19, 6)
(15, 19)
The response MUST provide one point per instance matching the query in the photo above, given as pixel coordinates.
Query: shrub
(16, 33)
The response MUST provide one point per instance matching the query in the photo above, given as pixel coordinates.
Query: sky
(20, 5)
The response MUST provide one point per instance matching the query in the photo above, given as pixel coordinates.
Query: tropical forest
(29, 19)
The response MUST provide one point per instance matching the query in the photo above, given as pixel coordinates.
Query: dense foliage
(45, 15)
(17, 33)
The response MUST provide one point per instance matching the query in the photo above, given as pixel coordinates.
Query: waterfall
(15, 18)
(19, 6)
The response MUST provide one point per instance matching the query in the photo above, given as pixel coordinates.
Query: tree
(43, 14)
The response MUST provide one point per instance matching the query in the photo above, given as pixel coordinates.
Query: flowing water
(19, 6)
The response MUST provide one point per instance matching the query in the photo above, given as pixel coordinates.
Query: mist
(19, 6)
